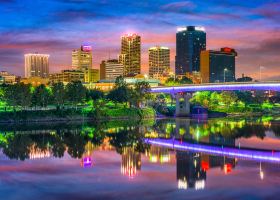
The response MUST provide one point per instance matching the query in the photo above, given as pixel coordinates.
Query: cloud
(179, 7)
(61, 25)
(269, 11)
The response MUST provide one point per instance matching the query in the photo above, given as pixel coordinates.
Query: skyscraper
(218, 66)
(190, 41)
(82, 58)
(130, 55)
(159, 61)
(36, 65)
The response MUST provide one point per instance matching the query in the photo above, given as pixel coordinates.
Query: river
(229, 158)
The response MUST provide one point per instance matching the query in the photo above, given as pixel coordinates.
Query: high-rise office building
(130, 55)
(36, 65)
(159, 61)
(111, 69)
(190, 41)
(82, 58)
(218, 66)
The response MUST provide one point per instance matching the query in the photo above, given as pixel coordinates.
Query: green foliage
(75, 92)
(17, 95)
(120, 94)
(230, 101)
(201, 98)
(147, 113)
(58, 93)
(41, 96)
(122, 113)
(175, 81)
(94, 94)
(120, 82)
(141, 92)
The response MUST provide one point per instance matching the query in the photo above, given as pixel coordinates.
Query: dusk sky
(56, 27)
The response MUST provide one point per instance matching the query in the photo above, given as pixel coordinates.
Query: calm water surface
(162, 159)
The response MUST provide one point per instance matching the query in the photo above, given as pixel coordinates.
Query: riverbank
(77, 115)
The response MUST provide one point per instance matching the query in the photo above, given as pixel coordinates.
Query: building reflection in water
(131, 162)
(37, 153)
(189, 171)
(88, 155)
(158, 154)
(192, 167)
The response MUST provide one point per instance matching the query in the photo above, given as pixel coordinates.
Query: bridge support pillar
(183, 104)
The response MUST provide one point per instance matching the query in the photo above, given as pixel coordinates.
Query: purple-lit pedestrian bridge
(233, 152)
(218, 87)
(183, 93)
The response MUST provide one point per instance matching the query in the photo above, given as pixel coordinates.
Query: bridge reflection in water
(248, 154)
(194, 160)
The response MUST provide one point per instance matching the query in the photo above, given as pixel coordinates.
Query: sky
(56, 27)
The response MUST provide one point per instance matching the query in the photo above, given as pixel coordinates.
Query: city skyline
(253, 30)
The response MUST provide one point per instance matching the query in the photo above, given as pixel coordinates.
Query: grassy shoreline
(76, 115)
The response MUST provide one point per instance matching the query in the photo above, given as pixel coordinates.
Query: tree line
(25, 96)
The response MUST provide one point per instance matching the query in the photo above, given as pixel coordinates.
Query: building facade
(218, 66)
(190, 41)
(67, 76)
(91, 75)
(35, 81)
(82, 58)
(111, 69)
(130, 55)
(36, 65)
(7, 78)
(159, 61)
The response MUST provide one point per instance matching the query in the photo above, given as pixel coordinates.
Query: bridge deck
(218, 87)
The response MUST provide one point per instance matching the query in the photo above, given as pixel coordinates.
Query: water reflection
(131, 162)
(190, 173)
(198, 146)
(158, 154)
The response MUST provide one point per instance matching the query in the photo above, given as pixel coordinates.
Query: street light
(225, 70)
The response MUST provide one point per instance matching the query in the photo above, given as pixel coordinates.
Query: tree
(120, 82)
(75, 92)
(172, 81)
(245, 96)
(119, 94)
(11, 95)
(18, 95)
(94, 95)
(175, 81)
(201, 98)
(185, 80)
(142, 91)
(18, 146)
(41, 96)
(228, 98)
(76, 144)
(214, 100)
(25, 95)
(58, 94)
